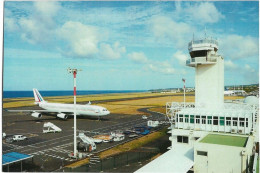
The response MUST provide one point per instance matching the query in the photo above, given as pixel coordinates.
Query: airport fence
(115, 162)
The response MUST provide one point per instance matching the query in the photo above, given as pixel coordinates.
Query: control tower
(209, 76)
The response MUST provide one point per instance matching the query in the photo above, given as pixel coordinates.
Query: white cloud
(201, 13)
(111, 52)
(204, 12)
(161, 67)
(229, 65)
(181, 57)
(249, 69)
(82, 39)
(166, 28)
(32, 32)
(86, 41)
(39, 26)
(236, 46)
(45, 12)
(10, 24)
(138, 57)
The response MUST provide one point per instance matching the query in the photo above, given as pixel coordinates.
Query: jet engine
(62, 116)
(36, 115)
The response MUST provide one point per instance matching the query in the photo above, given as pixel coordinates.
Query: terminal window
(242, 122)
(228, 121)
(202, 153)
(203, 119)
(192, 119)
(182, 139)
(234, 123)
(221, 121)
(215, 120)
(209, 119)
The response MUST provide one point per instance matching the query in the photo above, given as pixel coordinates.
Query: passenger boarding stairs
(87, 140)
(50, 128)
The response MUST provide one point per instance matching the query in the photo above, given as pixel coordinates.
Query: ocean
(19, 94)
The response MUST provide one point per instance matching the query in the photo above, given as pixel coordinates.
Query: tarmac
(50, 151)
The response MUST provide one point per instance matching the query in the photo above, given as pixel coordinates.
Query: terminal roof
(13, 157)
(177, 160)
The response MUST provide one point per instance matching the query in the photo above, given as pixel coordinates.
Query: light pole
(183, 80)
(74, 71)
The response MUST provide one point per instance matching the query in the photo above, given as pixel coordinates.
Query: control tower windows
(200, 53)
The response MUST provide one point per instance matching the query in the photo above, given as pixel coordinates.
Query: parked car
(9, 140)
(132, 135)
(143, 130)
(97, 141)
(144, 117)
(19, 138)
(127, 132)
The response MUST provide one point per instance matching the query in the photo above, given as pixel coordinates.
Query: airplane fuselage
(89, 110)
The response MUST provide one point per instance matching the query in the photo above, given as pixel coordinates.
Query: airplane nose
(108, 112)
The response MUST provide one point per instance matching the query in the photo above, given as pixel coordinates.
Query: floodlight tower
(74, 71)
(209, 76)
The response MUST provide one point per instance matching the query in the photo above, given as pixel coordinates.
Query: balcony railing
(201, 60)
(203, 41)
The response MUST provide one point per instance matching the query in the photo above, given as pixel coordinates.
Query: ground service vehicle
(19, 138)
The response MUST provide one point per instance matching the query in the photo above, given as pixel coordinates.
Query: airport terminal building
(209, 135)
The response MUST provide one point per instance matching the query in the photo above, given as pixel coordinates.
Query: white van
(19, 138)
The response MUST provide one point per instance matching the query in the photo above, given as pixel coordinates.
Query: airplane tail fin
(37, 96)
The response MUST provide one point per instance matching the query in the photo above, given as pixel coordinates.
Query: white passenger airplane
(64, 110)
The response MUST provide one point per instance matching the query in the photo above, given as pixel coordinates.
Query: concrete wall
(192, 135)
(221, 158)
(209, 84)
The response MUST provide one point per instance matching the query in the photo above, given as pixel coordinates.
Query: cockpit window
(104, 109)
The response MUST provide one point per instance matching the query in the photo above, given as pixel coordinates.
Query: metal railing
(201, 60)
(203, 41)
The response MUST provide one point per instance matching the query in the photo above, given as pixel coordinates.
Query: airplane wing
(27, 110)
(38, 113)
(35, 111)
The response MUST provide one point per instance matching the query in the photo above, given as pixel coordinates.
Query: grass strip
(78, 163)
(133, 144)
(18, 102)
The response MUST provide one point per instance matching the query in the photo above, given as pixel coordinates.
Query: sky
(130, 45)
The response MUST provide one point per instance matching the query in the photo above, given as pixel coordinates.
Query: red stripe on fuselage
(74, 91)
